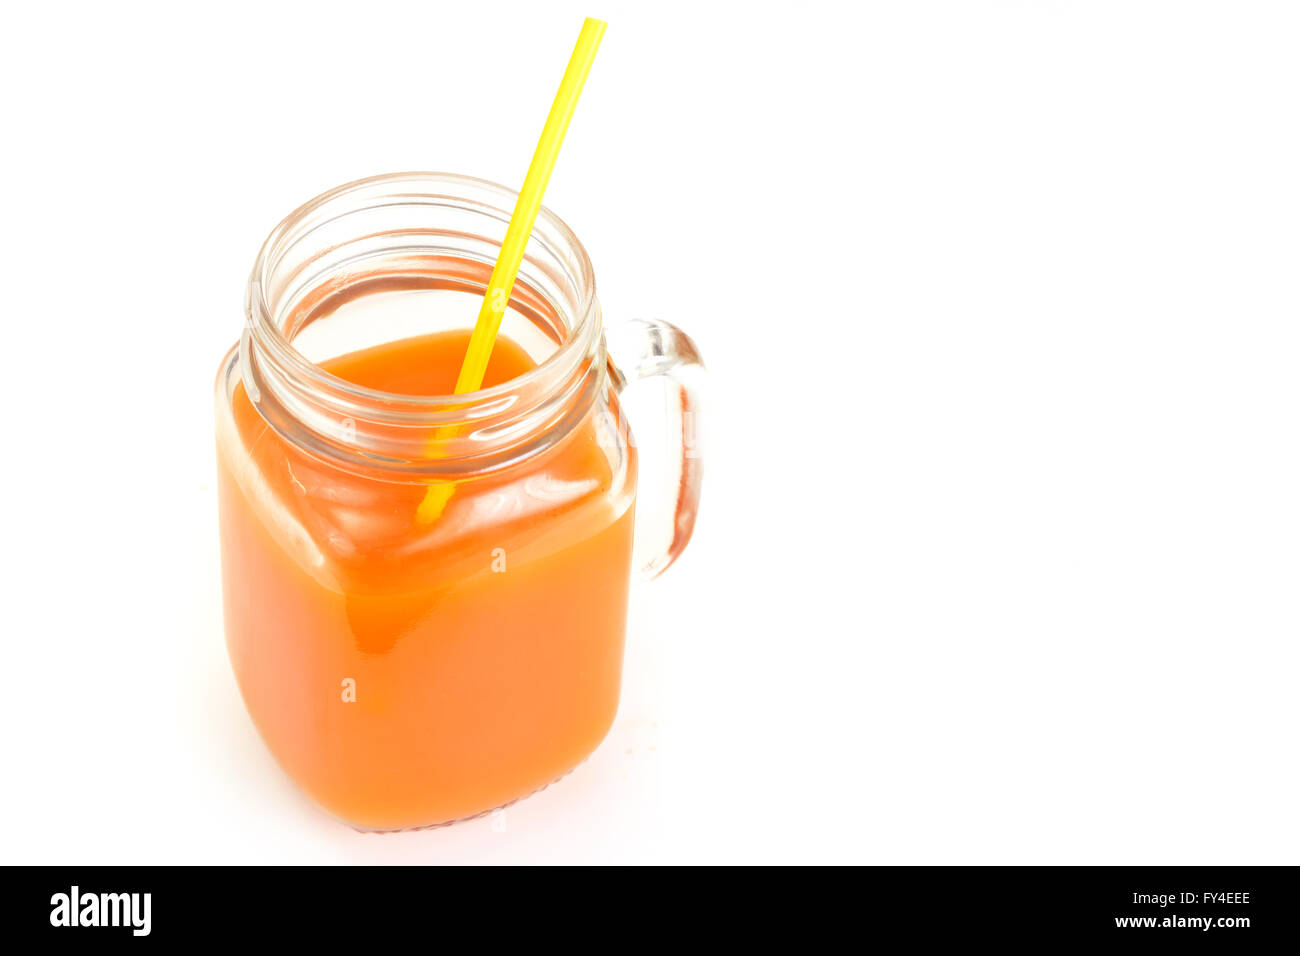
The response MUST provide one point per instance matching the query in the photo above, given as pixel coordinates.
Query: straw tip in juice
(435, 500)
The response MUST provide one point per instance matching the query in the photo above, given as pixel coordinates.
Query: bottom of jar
(473, 816)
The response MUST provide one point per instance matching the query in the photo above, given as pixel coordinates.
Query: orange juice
(407, 674)
(408, 668)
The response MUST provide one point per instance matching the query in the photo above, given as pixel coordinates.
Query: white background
(1000, 539)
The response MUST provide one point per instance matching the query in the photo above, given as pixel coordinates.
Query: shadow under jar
(409, 672)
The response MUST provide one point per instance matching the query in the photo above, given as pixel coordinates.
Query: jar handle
(644, 349)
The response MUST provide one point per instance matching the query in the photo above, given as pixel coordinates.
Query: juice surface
(408, 675)
(426, 365)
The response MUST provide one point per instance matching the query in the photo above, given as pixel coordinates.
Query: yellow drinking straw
(521, 227)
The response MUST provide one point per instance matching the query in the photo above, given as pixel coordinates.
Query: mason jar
(409, 668)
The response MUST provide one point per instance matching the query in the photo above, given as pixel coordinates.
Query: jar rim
(549, 229)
